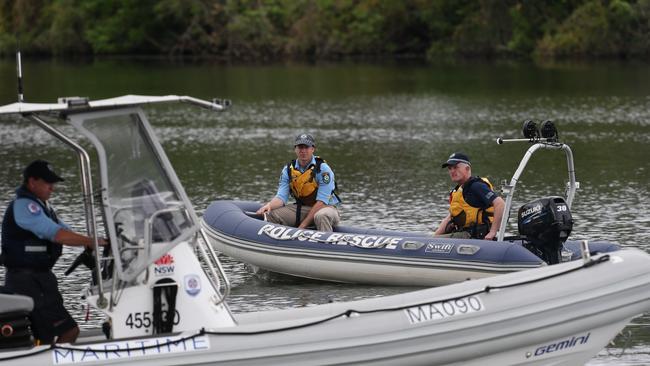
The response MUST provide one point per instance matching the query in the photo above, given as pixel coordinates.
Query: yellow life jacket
(465, 216)
(304, 186)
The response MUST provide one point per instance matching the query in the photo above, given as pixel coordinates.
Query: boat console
(155, 258)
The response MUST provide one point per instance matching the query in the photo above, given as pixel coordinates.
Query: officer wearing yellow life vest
(302, 184)
(311, 182)
(475, 210)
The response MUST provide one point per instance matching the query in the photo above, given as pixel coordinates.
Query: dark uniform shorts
(49, 317)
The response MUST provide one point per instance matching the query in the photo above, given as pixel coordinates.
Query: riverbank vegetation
(275, 29)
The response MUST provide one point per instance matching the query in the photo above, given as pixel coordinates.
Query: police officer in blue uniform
(311, 182)
(32, 239)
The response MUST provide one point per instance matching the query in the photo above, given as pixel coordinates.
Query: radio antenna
(19, 69)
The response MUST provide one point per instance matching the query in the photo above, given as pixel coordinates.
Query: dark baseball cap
(455, 158)
(304, 139)
(41, 169)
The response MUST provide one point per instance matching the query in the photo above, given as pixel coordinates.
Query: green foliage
(484, 32)
(522, 41)
(252, 32)
(65, 32)
(620, 17)
(122, 26)
(639, 41)
(584, 32)
(264, 29)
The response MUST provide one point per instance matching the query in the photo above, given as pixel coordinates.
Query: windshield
(146, 213)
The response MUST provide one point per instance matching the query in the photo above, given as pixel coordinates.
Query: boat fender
(167, 288)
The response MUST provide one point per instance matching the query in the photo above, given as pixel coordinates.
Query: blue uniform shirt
(29, 216)
(325, 186)
(479, 194)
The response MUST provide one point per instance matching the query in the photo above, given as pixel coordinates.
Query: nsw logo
(164, 266)
(192, 284)
(439, 248)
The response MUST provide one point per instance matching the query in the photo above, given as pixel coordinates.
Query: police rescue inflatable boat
(370, 256)
(164, 293)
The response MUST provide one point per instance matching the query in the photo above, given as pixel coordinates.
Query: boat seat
(15, 303)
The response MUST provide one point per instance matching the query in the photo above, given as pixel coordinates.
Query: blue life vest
(23, 249)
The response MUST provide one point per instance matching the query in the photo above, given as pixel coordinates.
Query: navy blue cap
(304, 139)
(455, 158)
(41, 169)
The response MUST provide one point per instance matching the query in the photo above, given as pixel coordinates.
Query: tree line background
(269, 29)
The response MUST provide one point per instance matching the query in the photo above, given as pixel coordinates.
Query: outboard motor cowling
(545, 224)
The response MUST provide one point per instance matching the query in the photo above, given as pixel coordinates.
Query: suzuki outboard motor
(545, 224)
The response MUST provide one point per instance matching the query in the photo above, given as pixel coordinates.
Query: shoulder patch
(34, 208)
(326, 177)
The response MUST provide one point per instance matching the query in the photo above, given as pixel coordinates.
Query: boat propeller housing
(545, 224)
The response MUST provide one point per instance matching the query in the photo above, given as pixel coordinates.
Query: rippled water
(385, 129)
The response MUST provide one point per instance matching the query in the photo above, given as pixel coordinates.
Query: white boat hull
(556, 315)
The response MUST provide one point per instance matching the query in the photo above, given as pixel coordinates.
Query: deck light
(548, 130)
(530, 130)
